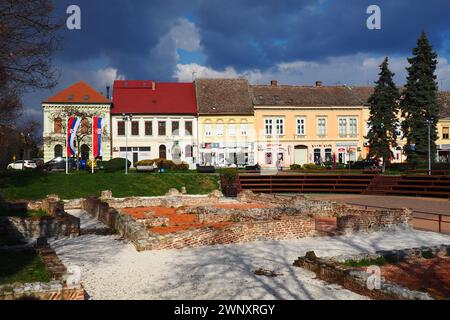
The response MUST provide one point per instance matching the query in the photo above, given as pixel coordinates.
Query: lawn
(22, 266)
(37, 185)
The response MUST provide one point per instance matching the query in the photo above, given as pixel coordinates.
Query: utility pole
(126, 118)
(429, 123)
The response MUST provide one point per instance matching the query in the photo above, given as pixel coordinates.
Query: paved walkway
(427, 205)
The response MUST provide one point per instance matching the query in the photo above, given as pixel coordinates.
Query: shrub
(181, 167)
(230, 175)
(115, 164)
(312, 166)
(144, 163)
(164, 164)
(296, 167)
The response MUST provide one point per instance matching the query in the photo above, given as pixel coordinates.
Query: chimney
(107, 92)
(153, 85)
(274, 83)
(319, 83)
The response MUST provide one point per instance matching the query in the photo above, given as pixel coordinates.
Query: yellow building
(443, 142)
(226, 134)
(301, 125)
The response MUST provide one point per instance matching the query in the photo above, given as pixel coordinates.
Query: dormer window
(70, 97)
(86, 98)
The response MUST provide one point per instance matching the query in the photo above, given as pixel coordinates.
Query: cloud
(359, 69)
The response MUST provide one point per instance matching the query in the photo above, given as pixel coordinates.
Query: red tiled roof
(80, 92)
(150, 97)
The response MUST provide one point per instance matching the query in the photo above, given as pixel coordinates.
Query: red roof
(80, 92)
(150, 97)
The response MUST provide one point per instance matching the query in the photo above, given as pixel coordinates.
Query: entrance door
(135, 157)
(301, 155)
(162, 152)
(85, 152)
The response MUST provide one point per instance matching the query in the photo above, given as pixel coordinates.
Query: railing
(440, 217)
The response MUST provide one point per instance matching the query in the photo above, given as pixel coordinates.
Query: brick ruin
(180, 221)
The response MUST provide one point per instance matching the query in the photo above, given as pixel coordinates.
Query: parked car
(39, 162)
(59, 164)
(22, 165)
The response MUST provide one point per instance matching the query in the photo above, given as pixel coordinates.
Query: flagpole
(67, 146)
(93, 149)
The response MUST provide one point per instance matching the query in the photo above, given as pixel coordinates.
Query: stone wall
(355, 279)
(372, 221)
(54, 290)
(287, 228)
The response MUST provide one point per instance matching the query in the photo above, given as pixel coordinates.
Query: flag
(97, 132)
(72, 127)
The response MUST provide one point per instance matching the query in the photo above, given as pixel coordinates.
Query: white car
(22, 165)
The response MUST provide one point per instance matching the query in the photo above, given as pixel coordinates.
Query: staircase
(380, 185)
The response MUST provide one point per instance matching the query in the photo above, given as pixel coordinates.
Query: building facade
(80, 100)
(305, 125)
(163, 123)
(226, 135)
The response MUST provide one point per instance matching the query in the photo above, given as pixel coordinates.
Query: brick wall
(372, 221)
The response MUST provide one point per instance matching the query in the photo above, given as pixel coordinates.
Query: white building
(163, 122)
(80, 100)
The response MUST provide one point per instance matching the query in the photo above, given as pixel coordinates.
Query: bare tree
(28, 39)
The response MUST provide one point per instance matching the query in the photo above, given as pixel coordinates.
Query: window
(175, 128)
(269, 127)
(135, 128)
(342, 127)
(161, 128)
(208, 130)
(244, 129)
(121, 128)
(269, 159)
(57, 126)
(328, 155)
(231, 129)
(280, 127)
(188, 128)
(148, 128)
(317, 156)
(445, 133)
(321, 127)
(219, 129)
(84, 126)
(353, 126)
(301, 126)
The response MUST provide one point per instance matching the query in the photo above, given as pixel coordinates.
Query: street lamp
(126, 118)
(429, 123)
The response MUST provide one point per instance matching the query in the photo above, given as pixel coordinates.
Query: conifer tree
(383, 121)
(419, 103)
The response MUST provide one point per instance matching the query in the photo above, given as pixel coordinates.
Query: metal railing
(440, 216)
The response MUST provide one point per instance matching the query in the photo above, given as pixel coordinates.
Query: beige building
(302, 125)
(226, 135)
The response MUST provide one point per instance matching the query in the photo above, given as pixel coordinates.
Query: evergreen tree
(420, 103)
(383, 122)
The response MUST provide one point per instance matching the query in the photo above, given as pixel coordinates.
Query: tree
(383, 115)
(420, 103)
(28, 39)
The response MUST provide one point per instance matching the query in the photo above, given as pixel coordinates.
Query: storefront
(444, 153)
(227, 154)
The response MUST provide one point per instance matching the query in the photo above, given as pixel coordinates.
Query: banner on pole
(72, 127)
(97, 133)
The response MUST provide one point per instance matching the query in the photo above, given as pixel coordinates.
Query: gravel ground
(113, 269)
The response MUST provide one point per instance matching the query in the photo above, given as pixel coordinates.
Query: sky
(292, 41)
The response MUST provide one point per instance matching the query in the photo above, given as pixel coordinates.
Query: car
(22, 165)
(59, 164)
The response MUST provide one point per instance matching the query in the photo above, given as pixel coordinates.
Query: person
(279, 165)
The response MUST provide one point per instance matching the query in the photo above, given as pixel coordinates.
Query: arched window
(189, 152)
(84, 126)
(162, 152)
(58, 151)
(57, 125)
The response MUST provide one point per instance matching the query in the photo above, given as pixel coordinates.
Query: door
(301, 155)
(162, 152)
(135, 157)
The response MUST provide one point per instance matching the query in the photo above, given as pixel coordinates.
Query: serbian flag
(97, 132)
(72, 126)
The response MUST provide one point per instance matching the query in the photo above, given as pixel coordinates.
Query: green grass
(22, 267)
(381, 261)
(24, 214)
(37, 185)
